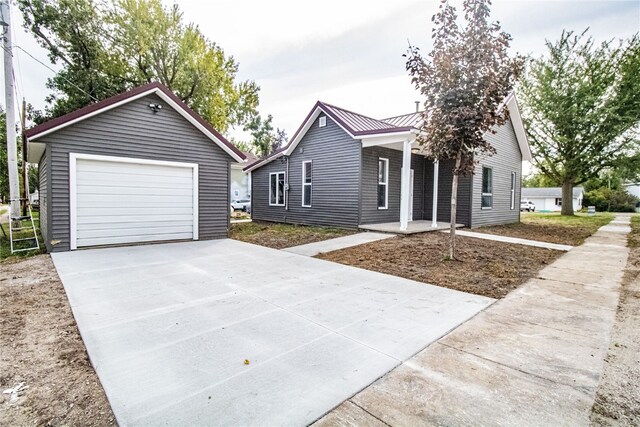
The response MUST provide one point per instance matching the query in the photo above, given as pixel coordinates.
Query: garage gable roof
(158, 89)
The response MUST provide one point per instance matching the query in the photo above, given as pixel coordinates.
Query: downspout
(286, 191)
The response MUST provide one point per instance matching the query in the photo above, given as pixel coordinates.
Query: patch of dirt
(41, 347)
(574, 235)
(483, 267)
(280, 236)
(618, 395)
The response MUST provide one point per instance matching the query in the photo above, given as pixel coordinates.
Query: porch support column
(434, 213)
(404, 185)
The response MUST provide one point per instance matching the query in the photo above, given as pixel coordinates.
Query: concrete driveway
(228, 333)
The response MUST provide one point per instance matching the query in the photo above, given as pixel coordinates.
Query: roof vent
(322, 121)
(417, 106)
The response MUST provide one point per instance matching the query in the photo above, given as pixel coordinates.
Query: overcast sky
(345, 52)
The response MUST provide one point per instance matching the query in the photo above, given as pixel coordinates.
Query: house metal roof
(555, 192)
(359, 124)
(411, 119)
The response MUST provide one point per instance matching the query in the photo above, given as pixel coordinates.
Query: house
(632, 188)
(138, 167)
(550, 199)
(348, 170)
(240, 185)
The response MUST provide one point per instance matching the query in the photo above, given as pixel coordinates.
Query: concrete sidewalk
(313, 249)
(514, 240)
(533, 358)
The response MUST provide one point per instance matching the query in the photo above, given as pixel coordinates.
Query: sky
(345, 52)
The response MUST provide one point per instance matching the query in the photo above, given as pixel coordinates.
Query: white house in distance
(550, 199)
(240, 181)
(632, 188)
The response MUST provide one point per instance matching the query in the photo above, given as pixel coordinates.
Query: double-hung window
(487, 188)
(276, 189)
(513, 190)
(383, 183)
(307, 174)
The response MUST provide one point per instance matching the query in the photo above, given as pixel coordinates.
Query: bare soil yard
(618, 397)
(485, 267)
(41, 347)
(552, 227)
(280, 236)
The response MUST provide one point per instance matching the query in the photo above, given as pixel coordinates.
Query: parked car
(528, 206)
(241, 205)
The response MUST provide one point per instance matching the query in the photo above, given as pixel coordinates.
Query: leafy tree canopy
(265, 139)
(108, 46)
(581, 104)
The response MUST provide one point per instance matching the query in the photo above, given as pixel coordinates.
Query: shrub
(610, 200)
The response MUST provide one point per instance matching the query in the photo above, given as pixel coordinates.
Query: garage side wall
(133, 130)
(44, 195)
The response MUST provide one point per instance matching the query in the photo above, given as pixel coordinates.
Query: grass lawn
(279, 236)
(552, 227)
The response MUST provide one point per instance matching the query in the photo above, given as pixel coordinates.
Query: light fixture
(155, 107)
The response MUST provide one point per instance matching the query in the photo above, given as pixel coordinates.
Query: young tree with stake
(465, 80)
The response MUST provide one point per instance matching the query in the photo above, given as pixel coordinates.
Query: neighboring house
(550, 199)
(240, 186)
(632, 188)
(138, 167)
(345, 169)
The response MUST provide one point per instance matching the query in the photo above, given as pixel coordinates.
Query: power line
(54, 71)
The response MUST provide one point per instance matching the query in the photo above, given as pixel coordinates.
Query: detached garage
(138, 167)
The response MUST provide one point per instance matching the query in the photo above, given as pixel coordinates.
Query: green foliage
(33, 178)
(108, 46)
(265, 139)
(610, 200)
(581, 104)
(538, 180)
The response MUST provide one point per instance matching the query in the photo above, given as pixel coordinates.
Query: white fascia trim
(166, 99)
(307, 125)
(518, 127)
(73, 203)
(265, 161)
(388, 138)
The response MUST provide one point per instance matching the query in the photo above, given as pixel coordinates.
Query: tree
(265, 138)
(464, 79)
(108, 46)
(536, 180)
(581, 104)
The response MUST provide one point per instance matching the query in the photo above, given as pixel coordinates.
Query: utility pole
(25, 171)
(12, 148)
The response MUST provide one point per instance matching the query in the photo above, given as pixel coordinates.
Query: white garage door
(121, 200)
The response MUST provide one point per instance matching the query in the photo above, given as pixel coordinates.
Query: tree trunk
(567, 198)
(454, 207)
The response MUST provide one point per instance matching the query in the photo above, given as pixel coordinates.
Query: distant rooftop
(555, 192)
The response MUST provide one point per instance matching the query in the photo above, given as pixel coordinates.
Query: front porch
(413, 227)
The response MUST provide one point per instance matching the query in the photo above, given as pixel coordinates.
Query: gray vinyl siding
(133, 130)
(507, 159)
(335, 157)
(369, 197)
(43, 194)
(445, 180)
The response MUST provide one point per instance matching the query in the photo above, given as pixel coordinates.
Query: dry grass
(280, 236)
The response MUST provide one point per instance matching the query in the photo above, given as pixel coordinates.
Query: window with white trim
(513, 190)
(322, 121)
(383, 183)
(487, 188)
(276, 189)
(307, 174)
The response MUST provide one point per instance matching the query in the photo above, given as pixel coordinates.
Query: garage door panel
(133, 239)
(140, 230)
(105, 200)
(122, 202)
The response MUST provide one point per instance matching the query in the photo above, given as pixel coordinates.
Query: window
(276, 189)
(513, 190)
(487, 188)
(307, 173)
(383, 183)
(558, 201)
(322, 121)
